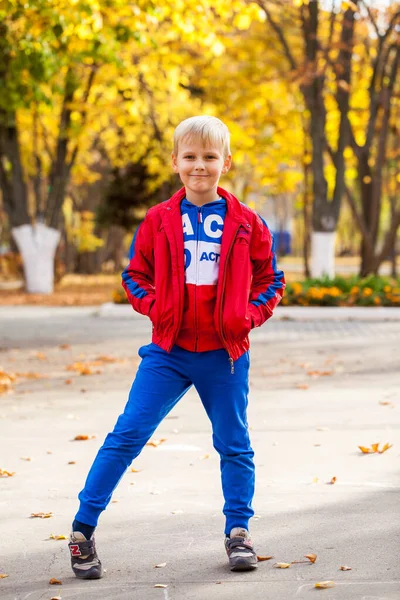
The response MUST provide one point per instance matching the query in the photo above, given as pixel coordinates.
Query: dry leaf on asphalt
(6, 381)
(366, 450)
(281, 565)
(41, 515)
(311, 557)
(68, 381)
(315, 480)
(108, 359)
(133, 470)
(374, 448)
(204, 457)
(262, 558)
(311, 560)
(302, 386)
(160, 566)
(325, 584)
(320, 373)
(64, 347)
(57, 537)
(3, 575)
(32, 375)
(332, 481)
(385, 447)
(344, 568)
(161, 585)
(27, 458)
(83, 438)
(55, 581)
(4, 473)
(81, 368)
(386, 403)
(155, 443)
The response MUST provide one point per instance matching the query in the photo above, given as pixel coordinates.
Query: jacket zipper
(199, 220)
(222, 299)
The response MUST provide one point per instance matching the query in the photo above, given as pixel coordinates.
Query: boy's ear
(174, 163)
(227, 164)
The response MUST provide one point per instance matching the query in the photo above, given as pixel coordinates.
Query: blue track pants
(161, 381)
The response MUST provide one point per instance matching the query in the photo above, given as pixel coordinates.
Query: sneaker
(240, 551)
(84, 560)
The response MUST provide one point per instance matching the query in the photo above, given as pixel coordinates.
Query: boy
(203, 269)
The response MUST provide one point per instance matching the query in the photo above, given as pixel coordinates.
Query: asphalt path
(320, 388)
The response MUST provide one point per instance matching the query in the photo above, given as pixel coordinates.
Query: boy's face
(200, 168)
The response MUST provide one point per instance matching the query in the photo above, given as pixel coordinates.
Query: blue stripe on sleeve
(133, 287)
(277, 283)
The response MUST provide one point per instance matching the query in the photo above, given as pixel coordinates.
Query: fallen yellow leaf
(3, 575)
(4, 473)
(302, 386)
(107, 359)
(385, 447)
(155, 443)
(311, 557)
(281, 565)
(64, 346)
(320, 373)
(40, 356)
(32, 375)
(332, 481)
(68, 381)
(365, 450)
(83, 438)
(315, 480)
(81, 368)
(27, 458)
(344, 568)
(54, 581)
(72, 462)
(325, 584)
(41, 515)
(133, 470)
(375, 448)
(57, 537)
(262, 558)
(386, 403)
(205, 456)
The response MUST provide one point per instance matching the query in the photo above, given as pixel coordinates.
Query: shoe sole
(243, 566)
(95, 574)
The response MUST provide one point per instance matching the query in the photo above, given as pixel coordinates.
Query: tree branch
(84, 114)
(278, 30)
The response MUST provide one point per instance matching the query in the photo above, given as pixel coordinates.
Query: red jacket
(249, 284)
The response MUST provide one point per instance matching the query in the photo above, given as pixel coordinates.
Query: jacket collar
(233, 205)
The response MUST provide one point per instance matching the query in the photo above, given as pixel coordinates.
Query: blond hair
(210, 130)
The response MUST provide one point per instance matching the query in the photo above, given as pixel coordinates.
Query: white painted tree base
(322, 254)
(37, 245)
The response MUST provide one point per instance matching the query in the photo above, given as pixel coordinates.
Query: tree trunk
(37, 245)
